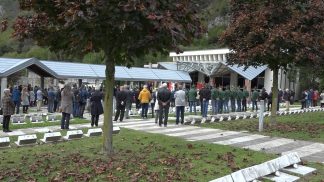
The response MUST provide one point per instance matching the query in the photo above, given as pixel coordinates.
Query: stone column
(80, 82)
(42, 82)
(4, 85)
(268, 80)
(234, 77)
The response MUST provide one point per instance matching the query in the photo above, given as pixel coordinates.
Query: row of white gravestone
(35, 118)
(193, 119)
(272, 170)
(53, 137)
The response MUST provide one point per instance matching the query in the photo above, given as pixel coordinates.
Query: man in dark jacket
(128, 100)
(121, 98)
(164, 98)
(205, 95)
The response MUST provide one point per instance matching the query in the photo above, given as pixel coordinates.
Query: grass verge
(307, 126)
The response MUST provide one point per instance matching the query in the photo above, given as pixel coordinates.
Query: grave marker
(26, 140)
(94, 132)
(52, 137)
(74, 134)
(4, 142)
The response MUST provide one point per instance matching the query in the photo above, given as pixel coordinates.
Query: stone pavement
(309, 151)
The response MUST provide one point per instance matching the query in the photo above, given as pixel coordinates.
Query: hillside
(214, 12)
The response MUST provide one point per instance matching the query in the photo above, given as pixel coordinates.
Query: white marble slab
(16, 133)
(163, 130)
(283, 177)
(269, 144)
(217, 134)
(131, 123)
(42, 130)
(300, 170)
(240, 139)
(190, 132)
(4, 142)
(307, 150)
(51, 137)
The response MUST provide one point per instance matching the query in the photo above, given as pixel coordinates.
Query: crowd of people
(71, 100)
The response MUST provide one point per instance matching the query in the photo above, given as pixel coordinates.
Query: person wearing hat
(164, 99)
(8, 109)
(192, 99)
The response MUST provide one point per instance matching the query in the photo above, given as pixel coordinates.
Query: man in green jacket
(221, 99)
(215, 100)
(192, 98)
(255, 97)
(239, 99)
(233, 96)
(227, 95)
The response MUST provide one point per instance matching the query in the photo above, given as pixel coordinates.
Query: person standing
(264, 96)
(83, 100)
(16, 97)
(8, 109)
(244, 100)
(205, 95)
(239, 97)
(129, 100)
(144, 97)
(39, 97)
(255, 97)
(269, 100)
(227, 95)
(315, 98)
(96, 106)
(50, 100)
(66, 106)
(214, 102)
(156, 107)
(153, 100)
(286, 98)
(121, 99)
(192, 99)
(322, 99)
(233, 99)
(76, 101)
(164, 99)
(180, 103)
(304, 99)
(55, 91)
(221, 100)
(31, 98)
(25, 99)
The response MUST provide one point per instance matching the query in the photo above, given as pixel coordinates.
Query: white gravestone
(26, 140)
(35, 119)
(52, 137)
(51, 118)
(94, 132)
(299, 169)
(4, 142)
(116, 130)
(74, 134)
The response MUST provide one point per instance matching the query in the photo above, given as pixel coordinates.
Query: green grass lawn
(138, 157)
(307, 126)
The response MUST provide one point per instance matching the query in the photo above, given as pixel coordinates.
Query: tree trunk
(108, 105)
(274, 96)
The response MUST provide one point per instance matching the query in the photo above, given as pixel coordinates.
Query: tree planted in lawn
(275, 33)
(122, 29)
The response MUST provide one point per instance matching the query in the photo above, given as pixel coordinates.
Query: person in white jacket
(322, 98)
(156, 107)
(180, 103)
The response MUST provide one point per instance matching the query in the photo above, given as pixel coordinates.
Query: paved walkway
(307, 150)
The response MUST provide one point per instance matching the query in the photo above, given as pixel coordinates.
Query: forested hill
(214, 13)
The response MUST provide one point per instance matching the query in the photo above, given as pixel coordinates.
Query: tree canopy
(121, 29)
(276, 33)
